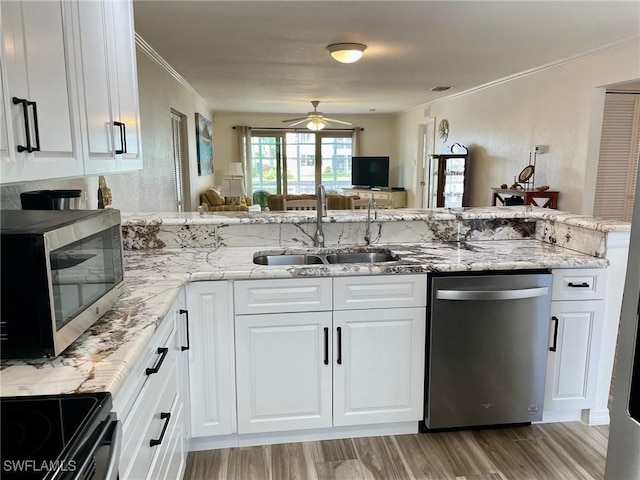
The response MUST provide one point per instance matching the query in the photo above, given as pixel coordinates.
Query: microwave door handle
(491, 294)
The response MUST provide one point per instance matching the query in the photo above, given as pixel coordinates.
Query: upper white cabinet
(41, 122)
(110, 121)
(69, 85)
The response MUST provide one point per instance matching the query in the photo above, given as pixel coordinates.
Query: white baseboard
(555, 416)
(333, 433)
(595, 416)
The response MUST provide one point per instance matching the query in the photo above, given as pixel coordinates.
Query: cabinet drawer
(388, 291)
(146, 422)
(282, 295)
(579, 284)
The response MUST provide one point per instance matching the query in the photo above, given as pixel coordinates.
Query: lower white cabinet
(577, 318)
(211, 362)
(283, 371)
(151, 406)
(574, 354)
(314, 369)
(378, 372)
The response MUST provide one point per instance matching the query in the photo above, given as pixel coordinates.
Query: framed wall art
(204, 141)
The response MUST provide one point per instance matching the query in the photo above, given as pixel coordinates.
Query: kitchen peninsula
(164, 253)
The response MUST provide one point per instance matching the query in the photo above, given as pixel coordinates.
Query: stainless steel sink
(360, 257)
(325, 258)
(287, 259)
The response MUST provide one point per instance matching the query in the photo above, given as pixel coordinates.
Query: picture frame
(204, 145)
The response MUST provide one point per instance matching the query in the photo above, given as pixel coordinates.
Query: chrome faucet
(367, 235)
(321, 211)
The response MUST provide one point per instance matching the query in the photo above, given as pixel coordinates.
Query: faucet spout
(367, 235)
(321, 211)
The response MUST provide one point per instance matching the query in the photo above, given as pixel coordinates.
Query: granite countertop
(102, 357)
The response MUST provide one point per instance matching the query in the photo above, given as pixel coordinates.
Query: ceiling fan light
(315, 125)
(346, 52)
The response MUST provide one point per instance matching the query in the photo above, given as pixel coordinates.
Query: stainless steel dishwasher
(487, 349)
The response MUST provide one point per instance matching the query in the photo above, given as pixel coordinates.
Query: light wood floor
(560, 451)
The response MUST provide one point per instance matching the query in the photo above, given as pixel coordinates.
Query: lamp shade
(234, 169)
(315, 125)
(346, 52)
(233, 187)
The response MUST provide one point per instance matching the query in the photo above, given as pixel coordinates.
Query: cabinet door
(39, 63)
(211, 363)
(127, 110)
(572, 367)
(93, 30)
(283, 371)
(378, 368)
(182, 346)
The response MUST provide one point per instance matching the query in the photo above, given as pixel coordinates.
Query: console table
(530, 197)
(397, 198)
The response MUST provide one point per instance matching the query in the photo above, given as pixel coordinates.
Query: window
(308, 158)
(178, 149)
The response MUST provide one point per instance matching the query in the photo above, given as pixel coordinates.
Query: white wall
(378, 137)
(560, 107)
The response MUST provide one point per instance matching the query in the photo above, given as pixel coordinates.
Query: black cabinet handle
(186, 313)
(162, 351)
(555, 334)
(123, 137)
(166, 416)
(326, 346)
(339, 329)
(27, 129)
(578, 285)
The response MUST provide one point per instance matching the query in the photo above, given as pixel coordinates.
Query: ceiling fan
(315, 120)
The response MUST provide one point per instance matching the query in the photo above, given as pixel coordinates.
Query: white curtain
(243, 153)
(356, 141)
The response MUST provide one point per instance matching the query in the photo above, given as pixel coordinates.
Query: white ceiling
(270, 56)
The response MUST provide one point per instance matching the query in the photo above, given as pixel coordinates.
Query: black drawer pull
(186, 313)
(166, 416)
(579, 285)
(326, 346)
(162, 351)
(339, 345)
(555, 334)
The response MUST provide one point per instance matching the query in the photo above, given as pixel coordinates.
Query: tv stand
(398, 198)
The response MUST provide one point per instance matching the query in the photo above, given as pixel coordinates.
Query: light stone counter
(101, 359)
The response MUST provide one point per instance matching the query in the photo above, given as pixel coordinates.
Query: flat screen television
(370, 172)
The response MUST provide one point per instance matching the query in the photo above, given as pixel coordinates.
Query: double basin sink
(322, 257)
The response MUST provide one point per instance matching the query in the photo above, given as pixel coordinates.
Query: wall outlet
(540, 149)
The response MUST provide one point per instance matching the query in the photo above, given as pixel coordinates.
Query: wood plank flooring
(559, 451)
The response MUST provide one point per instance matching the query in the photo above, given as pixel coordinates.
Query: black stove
(58, 437)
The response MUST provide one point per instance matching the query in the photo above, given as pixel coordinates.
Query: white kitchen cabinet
(183, 347)
(151, 406)
(378, 368)
(283, 371)
(326, 367)
(40, 87)
(211, 358)
(109, 96)
(577, 316)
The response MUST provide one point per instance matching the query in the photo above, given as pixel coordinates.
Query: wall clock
(443, 130)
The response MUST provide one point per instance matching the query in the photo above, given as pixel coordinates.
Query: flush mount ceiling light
(346, 52)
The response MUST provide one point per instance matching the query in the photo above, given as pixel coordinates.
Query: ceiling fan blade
(333, 120)
(299, 122)
(294, 119)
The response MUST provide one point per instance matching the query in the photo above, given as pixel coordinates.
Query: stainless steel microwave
(61, 271)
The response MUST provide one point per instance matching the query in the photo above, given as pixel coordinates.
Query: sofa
(334, 201)
(212, 201)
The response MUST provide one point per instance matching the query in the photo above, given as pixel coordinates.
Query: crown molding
(162, 63)
(535, 70)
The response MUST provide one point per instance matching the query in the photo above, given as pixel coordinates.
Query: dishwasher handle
(491, 294)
